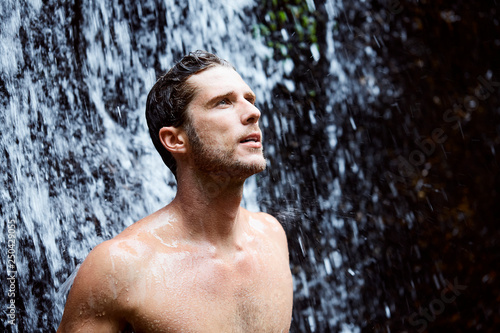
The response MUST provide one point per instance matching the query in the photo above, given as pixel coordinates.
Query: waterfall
(79, 166)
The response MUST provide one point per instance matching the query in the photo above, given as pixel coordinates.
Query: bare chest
(247, 295)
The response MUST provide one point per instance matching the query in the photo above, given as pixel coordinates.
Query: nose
(250, 114)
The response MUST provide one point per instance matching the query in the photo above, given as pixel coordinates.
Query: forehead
(217, 80)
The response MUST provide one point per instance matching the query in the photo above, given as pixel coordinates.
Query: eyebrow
(247, 95)
(218, 97)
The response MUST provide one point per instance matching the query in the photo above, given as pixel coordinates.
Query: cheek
(214, 137)
(226, 136)
(218, 130)
(222, 133)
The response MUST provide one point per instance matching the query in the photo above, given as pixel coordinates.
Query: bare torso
(149, 279)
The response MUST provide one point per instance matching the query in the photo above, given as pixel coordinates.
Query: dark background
(426, 146)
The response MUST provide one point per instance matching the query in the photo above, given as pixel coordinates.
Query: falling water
(79, 166)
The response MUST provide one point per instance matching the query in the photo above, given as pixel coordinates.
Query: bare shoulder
(101, 290)
(267, 224)
(112, 260)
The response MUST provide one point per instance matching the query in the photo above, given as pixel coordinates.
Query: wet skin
(202, 263)
(166, 284)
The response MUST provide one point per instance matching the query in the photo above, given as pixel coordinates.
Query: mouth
(252, 140)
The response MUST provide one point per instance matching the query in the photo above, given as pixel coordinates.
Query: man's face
(223, 129)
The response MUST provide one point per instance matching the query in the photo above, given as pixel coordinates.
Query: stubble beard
(220, 162)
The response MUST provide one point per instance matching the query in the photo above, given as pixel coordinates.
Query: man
(202, 263)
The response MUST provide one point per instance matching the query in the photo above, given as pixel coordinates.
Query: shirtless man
(202, 263)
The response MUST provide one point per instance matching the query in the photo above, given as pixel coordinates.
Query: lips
(254, 137)
(252, 140)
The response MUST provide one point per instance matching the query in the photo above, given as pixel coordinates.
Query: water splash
(79, 163)
(80, 166)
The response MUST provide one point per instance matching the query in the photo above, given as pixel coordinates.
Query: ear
(173, 139)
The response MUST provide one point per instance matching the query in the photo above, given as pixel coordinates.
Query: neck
(209, 207)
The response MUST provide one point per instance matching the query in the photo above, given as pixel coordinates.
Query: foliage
(289, 27)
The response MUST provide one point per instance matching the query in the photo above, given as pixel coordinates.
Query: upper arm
(94, 303)
(278, 236)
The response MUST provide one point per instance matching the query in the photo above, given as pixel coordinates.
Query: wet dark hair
(170, 96)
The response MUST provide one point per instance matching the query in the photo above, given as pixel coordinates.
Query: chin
(245, 170)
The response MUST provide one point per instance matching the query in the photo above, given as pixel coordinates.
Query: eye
(224, 102)
(250, 98)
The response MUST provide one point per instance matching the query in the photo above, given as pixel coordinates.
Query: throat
(210, 220)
